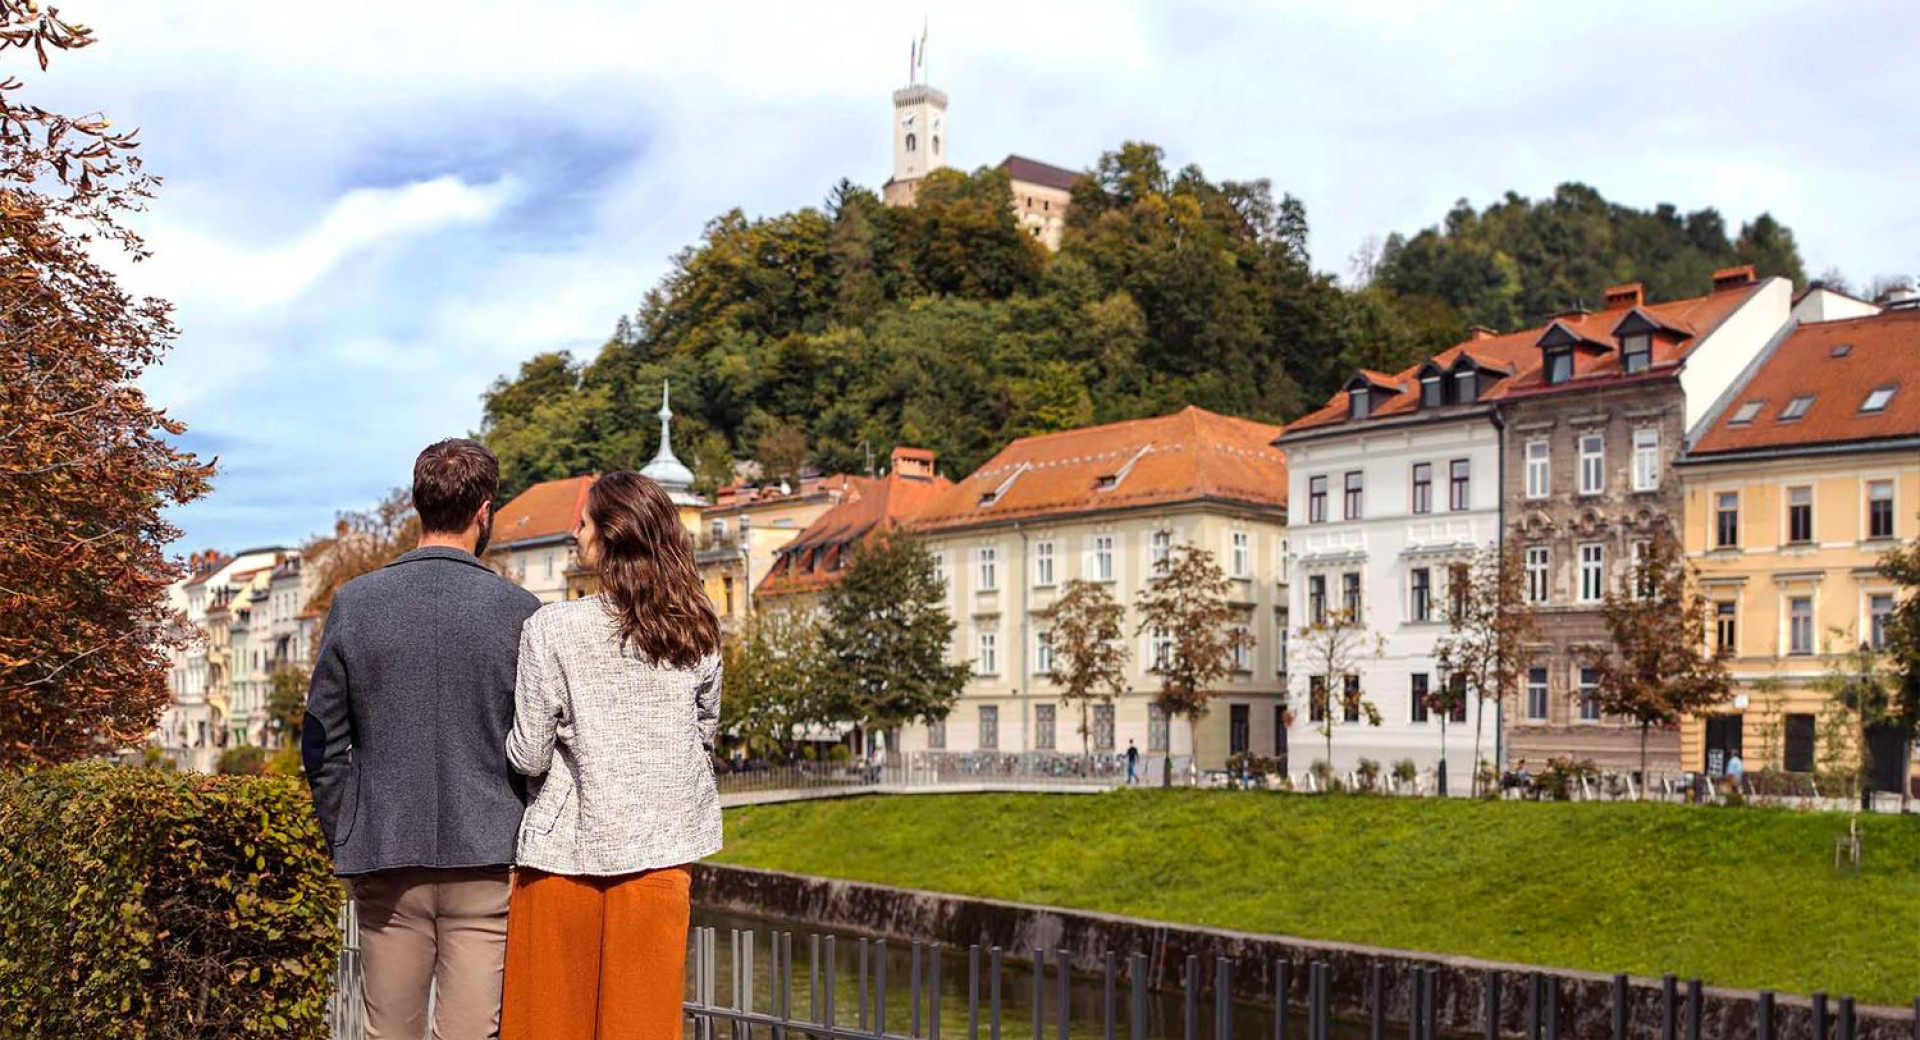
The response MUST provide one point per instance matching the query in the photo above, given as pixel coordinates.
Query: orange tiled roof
(1516, 362)
(813, 559)
(1840, 363)
(546, 510)
(1190, 455)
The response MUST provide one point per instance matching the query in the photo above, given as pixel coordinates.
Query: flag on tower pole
(913, 59)
(921, 60)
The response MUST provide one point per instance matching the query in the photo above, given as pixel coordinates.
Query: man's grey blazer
(408, 715)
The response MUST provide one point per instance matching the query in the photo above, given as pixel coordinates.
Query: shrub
(243, 760)
(1562, 776)
(1405, 771)
(148, 904)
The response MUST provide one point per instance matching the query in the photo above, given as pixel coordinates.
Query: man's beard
(486, 535)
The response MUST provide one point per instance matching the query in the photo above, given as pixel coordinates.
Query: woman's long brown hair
(647, 572)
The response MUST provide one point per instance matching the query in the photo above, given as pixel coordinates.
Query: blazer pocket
(540, 820)
(349, 807)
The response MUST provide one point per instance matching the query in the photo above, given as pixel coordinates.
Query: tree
(1086, 632)
(781, 452)
(1902, 636)
(1332, 647)
(87, 465)
(1186, 604)
(1861, 698)
(362, 542)
(1483, 655)
(886, 632)
(1658, 668)
(777, 677)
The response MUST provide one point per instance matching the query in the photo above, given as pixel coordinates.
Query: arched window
(912, 142)
(936, 144)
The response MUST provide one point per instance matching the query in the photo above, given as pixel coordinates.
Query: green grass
(1738, 897)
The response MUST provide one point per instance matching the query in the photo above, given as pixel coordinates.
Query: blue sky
(372, 210)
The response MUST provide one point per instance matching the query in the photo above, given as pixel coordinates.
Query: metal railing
(927, 769)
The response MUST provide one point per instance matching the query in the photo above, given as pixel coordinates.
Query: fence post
(1819, 1016)
(1106, 996)
(1669, 996)
(933, 992)
(1846, 1018)
(1416, 993)
(1376, 1001)
(913, 974)
(1282, 991)
(973, 992)
(880, 988)
(1552, 985)
(1763, 1016)
(993, 989)
(1222, 1000)
(1192, 986)
(860, 1020)
(1039, 992)
(1062, 992)
(1137, 983)
(1694, 1009)
(1533, 1005)
(1492, 987)
(1620, 1008)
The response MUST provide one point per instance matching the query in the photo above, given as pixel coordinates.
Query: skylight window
(1842, 349)
(1877, 399)
(1746, 412)
(1796, 408)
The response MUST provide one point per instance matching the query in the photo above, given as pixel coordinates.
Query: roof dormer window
(1466, 386)
(1637, 352)
(1432, 391)
(1359, 402)
(1559, 365)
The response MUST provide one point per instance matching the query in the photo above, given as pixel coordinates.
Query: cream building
(194, 726)
(1803, 475)
(1108, 504)
(745, 528)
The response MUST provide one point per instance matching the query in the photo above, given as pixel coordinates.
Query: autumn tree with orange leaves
(86, 464)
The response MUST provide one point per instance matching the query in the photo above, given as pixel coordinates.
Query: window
(1796, 408)
(1317, 698)
(1466, 386)
(1417, 695)
(1350, 596)
(550, 565)
(1880, 509)
(1317, 500)
(1423, 487)
(1043, 716)
(1589, 695)
(1317, 600)
(1799, 515)
(1350, 702)
(1539, 473)
(1458, 581)
(989, 727)
(940, 569)
(1160, 551)
(1537, 694)
(1459, 489)
(1280, 731)
(1726, 628)
(1457, 692)
(937, 735)
(1799, 756)
(1356, 499)
(1431, 392)
(1726, 520)
(1360, 403)
(1638, 352)
(1239, 729)
(1646, 460)
(1593, 580)
(1593, 464)
(1640, 580)
(1746, 412)
(1103, 727)
(1243, 649)
(986, 653)
(913, 142)
(1242, 555)
(1877, 399)
(1421, 606)
(1043, 563)
(1539, 577)
(1879, 615)
(987, 565)
(1800, 625)
(1159, 649)
(1559, 365)
(717, 531)
(1043, 653)
(1157, 729)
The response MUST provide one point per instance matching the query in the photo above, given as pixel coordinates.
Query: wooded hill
(824, 334)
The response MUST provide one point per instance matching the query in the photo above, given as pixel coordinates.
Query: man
(1133, 762)
(403, 745)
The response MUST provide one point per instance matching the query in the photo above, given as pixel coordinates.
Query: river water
(1165, 1015)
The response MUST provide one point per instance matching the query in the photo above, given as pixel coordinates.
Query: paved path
(729, 800)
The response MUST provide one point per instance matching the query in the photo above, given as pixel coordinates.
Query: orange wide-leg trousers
(593, 958)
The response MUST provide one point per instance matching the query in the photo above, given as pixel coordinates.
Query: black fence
(793, 999)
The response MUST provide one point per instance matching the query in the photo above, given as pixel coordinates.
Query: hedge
(142, 903)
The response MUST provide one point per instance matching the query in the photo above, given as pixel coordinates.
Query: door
(1238, 729)
(1887, 750)
(1799, 744)
(1723, 741)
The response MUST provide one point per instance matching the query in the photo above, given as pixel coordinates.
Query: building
(1797, 481)
(533, 535)
(666, 469)
(1593, 421)
(812, 561)
(194, 726)
(1395, 482)
(1040, 192)
(1108, 504)
(744, 530)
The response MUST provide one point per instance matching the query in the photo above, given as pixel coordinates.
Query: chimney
(340, 528)
(1733, 278)
(912, 463)
(1632, 294)
(1481, 332)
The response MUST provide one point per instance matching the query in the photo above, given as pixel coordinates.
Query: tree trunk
(1479, 718)
(1644, 776)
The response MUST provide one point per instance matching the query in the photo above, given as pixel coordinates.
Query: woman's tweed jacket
(625, 747)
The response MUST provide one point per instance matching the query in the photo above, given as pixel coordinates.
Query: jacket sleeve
(536, 706)
(706, 704)
(326, 732)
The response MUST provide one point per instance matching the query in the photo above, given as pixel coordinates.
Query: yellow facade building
(1804, 475)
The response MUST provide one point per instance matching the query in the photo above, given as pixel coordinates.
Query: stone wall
(1585, 999)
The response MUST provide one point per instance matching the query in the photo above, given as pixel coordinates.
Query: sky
(371, 210)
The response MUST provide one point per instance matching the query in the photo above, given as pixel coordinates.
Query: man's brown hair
(451, 480)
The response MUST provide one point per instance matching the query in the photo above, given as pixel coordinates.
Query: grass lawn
(1738, 897)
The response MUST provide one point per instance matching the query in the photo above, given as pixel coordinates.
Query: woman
(616, 707)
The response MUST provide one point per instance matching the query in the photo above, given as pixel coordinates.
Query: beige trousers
(444, 930)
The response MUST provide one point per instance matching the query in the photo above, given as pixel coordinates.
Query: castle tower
(919, 140)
